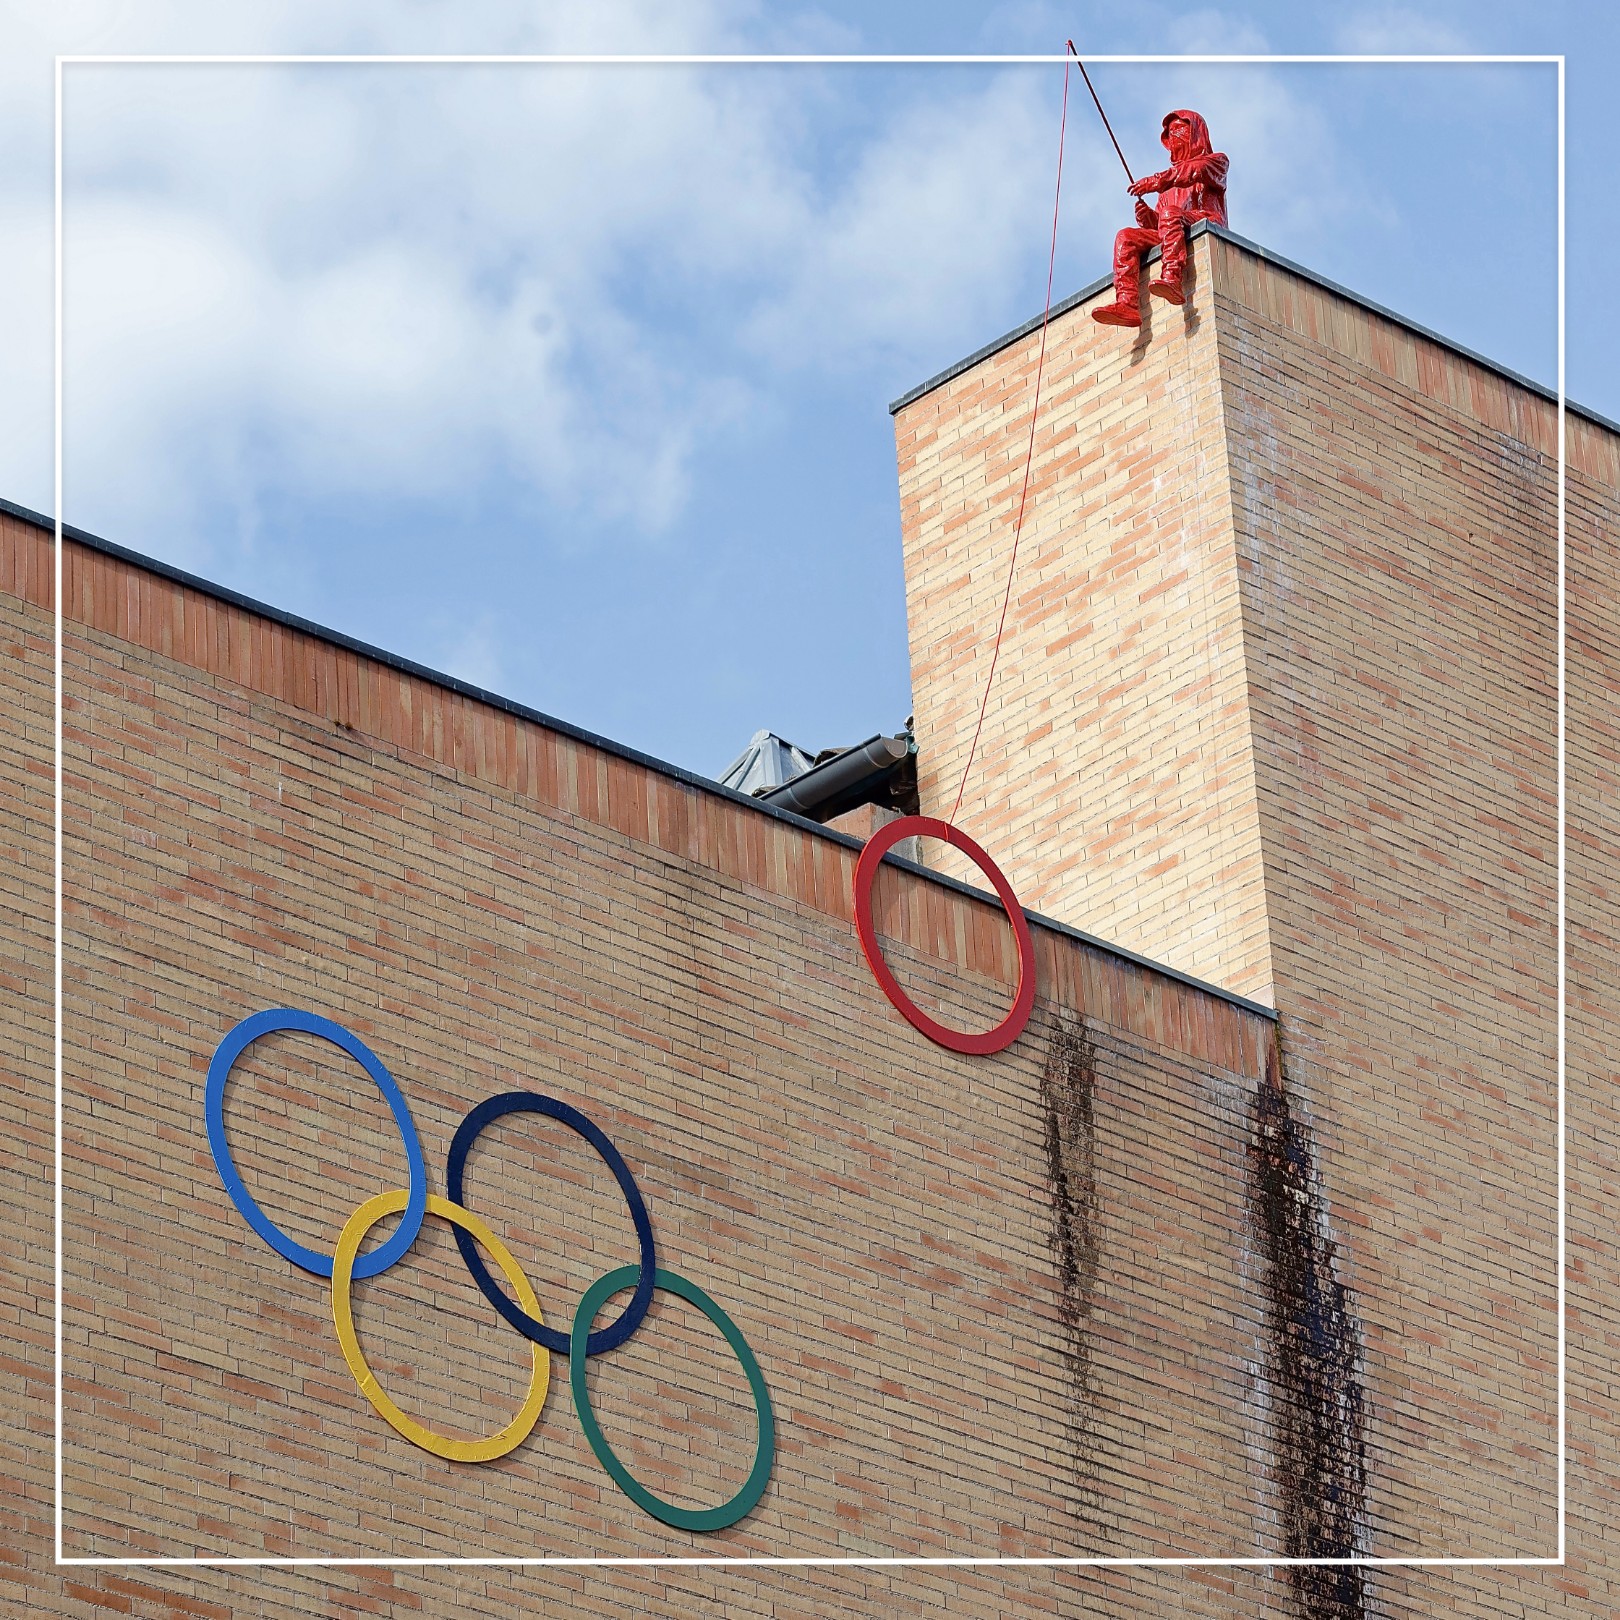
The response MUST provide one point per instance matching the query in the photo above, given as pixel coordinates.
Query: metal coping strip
(1202, 227)
(691, 779)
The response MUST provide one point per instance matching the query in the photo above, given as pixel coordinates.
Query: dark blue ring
(219, 1071)
(533, 1102)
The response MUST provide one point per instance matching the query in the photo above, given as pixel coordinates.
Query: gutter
(868, 773)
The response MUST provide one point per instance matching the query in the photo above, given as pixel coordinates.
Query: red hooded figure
(1192, 188)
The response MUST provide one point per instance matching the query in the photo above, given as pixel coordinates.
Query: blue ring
(555, 1340)
(219, 1071)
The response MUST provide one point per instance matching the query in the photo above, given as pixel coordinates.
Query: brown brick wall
(1005, 1306)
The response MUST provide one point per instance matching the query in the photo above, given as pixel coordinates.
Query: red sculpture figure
(1192, 188)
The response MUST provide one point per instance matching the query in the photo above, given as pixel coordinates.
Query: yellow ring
(348, 1246)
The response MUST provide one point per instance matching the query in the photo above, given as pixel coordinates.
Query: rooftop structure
(767, 762)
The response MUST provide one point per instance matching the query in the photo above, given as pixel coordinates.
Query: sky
(573, 381)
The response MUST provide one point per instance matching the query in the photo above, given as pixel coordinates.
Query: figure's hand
(1140, 188)
(1145, 216)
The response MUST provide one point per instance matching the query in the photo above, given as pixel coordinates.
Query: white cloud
(26, 332)
(1211, 30)
(944, 211)
(404, 282)
(281, 274)
(1398, 31)
(196, 373)
(413, 288)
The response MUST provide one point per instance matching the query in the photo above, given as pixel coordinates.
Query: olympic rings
(354, 1231)
(219, 1071)
(532, 1102)
(866, 868)
(716, 1518)
(416, 1201)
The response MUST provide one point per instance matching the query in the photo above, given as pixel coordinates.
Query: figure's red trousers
(1132, 242)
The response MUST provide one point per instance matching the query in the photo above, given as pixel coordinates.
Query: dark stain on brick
(1315, 1345)
(1068, 1092)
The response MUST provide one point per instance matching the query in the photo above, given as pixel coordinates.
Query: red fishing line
(1029, 458)
(866, 869)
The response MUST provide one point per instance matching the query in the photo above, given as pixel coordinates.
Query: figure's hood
(1200, 131)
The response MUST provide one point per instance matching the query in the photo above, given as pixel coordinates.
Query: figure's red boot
(1168, 290)
(1118, 315)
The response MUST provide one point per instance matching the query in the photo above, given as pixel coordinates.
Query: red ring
(877, 846)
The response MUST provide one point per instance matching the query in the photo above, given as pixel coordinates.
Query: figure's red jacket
(1196, 186)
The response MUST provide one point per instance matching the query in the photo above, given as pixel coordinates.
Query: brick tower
(1278, 706)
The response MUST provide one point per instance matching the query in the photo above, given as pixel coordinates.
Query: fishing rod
(1100, 113)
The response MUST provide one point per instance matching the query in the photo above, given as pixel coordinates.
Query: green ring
(716, 1518)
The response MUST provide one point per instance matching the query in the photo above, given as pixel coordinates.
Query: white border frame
(812, 60)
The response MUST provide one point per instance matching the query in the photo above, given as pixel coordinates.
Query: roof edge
(522, 711)
(1204, 226)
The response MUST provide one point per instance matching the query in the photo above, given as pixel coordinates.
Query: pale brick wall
(1397, 535)
(1380, 512)
(1121, 679)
